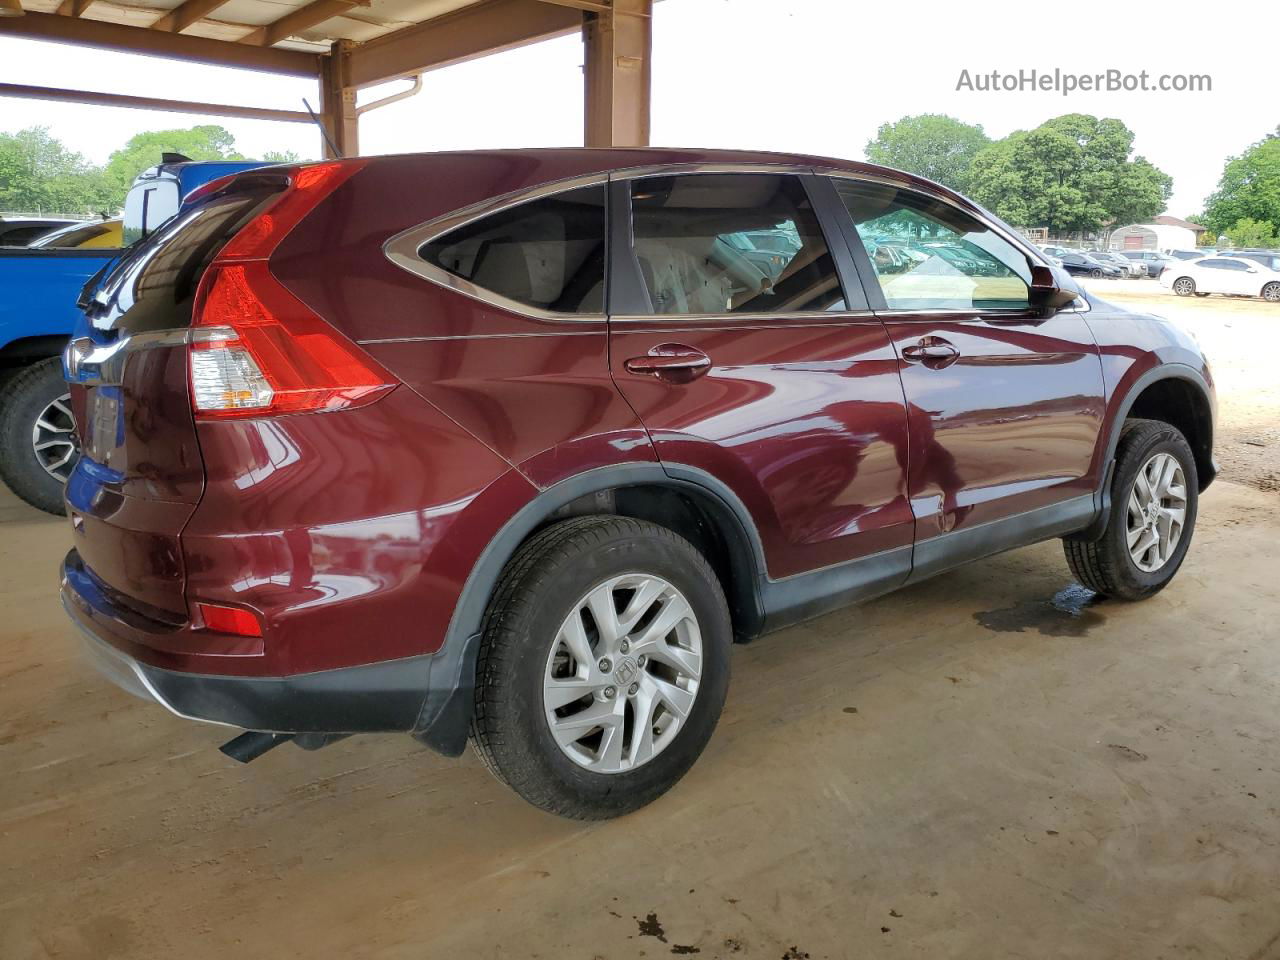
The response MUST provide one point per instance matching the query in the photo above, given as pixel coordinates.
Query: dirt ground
(988, 765)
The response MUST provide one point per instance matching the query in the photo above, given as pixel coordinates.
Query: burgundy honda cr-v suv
(513, 444)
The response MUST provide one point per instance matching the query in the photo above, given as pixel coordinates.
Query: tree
(205, 142)
(1249, 188)
(932, 145)
(1248, 232)
(38, 173)
(1071, 174)
(281, 156)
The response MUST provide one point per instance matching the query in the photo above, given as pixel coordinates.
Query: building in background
(1163, 233)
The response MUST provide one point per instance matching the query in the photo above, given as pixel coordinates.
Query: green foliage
(281, 156)
(205, 142)
(1249, 188)
(932, 145)
(1247, 232)
(1071, 174)
(37, 173)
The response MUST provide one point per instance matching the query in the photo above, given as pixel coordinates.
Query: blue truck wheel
(37, 441)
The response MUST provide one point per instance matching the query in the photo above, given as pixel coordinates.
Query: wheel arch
(1174, 393)
(684, 499)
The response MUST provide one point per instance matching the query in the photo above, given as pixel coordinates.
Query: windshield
(100, 234)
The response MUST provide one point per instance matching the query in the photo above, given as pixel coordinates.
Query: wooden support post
(617, 76)
(338, 101)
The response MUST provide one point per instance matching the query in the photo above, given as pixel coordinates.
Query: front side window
(928, 255)
(547, 253)
(731, 243)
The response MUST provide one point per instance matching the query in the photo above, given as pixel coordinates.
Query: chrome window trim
(665, 319)
(402, 249)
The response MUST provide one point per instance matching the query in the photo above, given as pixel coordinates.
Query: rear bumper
(429, 696)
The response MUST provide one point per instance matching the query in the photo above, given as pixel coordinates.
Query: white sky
(808, 76)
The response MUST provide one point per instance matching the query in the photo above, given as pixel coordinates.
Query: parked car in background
(1268, 258)
(371, 445)
(39, 285)
(105, 234)
(1131, 268)
(1154, 261)
(20, 231)
(1187, 254)
(1083, 265)
(1234, 276)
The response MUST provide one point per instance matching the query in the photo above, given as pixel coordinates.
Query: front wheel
(1095, 274)
(603, 666)
(1184, 286)
(37, 435)
(1271, 292)
(1154, 496)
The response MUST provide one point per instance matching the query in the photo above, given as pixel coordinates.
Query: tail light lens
(233, 620)
(257, 350)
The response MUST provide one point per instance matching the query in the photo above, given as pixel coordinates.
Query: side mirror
(1051, 289)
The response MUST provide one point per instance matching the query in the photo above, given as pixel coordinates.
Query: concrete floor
(982, 766)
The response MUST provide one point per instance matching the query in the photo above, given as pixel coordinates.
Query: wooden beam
(338, 103)
(291, 24)
(151, 103)
(157, 43)
(73, 8)
(185, 14)
(468, 33)
(619, 47)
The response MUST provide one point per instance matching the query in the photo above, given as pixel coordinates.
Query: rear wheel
(1184, 286)
(1271, 292)
(603, 666)
(1095, 274)
(37, 439)
(1154, 496)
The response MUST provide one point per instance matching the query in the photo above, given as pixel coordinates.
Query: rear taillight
(257, 350)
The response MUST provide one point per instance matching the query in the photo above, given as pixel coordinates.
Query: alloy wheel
(1184, 286)
(1157, 512)
(53, 438)
(1271, 292)
(623, 673)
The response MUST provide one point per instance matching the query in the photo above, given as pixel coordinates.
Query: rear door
(1004, 406)
(766, 373)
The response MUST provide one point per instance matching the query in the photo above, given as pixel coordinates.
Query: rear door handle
(933, 352)
(673, 362)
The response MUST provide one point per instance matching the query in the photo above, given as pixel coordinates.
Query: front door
(746, 360)
(1004, 406)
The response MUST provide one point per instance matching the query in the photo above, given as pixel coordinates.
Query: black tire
(1183, 286)
(1271, 292)
(1095, 274)
(1105, 565)
(25, 397)
(546, 577)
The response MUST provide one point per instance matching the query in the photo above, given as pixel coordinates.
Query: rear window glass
(154, 286)
(548, 253)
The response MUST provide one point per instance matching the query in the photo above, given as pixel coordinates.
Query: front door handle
(932, 352)
(673, 362)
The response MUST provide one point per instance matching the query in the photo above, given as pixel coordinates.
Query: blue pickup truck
(39, 287)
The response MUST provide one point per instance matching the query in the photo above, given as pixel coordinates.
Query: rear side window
(731, 243)
(928, 255)
(548, 253)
